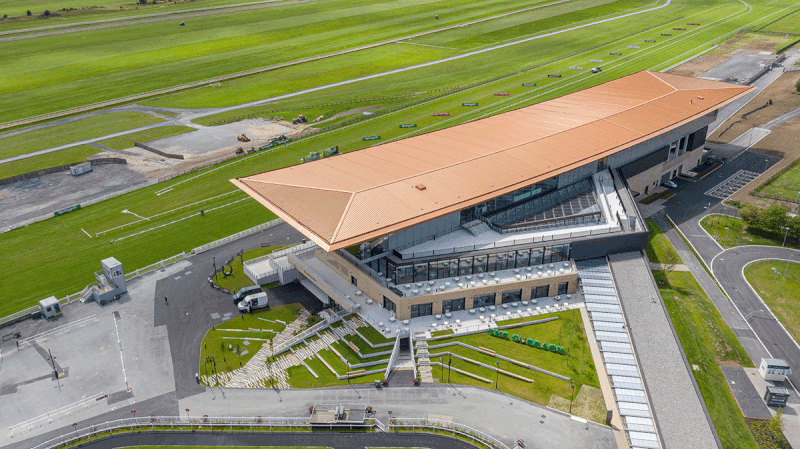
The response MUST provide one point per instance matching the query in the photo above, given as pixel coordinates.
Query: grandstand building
(495, 210)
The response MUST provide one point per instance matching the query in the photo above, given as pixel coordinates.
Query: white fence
(448, 426)
(274, 273)
(236, 236)
(55, 415)
(393, 358)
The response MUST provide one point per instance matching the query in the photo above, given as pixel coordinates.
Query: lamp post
(441, 369)
(571, 398)
(188, 419)
(134, 416)
(786, 234)
(726, 235)
(787, 267)
(75, 426)
(497, 375)
(52, 361)
(449, 361)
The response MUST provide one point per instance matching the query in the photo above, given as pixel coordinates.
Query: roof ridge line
(341, 219)
(649, 72)
(295, 185)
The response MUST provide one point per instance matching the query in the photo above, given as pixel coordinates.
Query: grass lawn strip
(707, 342)
(780, 293)
(443, 332)
(738, 233)
(126, 141)
(83, 129)
(363, 347)
(373, 336)
(659, 250)
(54, 159)
(524, 319)
(658, 196)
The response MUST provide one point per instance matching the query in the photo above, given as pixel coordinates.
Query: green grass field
(238, 279)
(780, 293)
(126, 141)
(54, 159)
(567, 331)
(53, 243)
(75, 131)
(788, 24)
(787, 184)
(707, 342)
(659, 250)
(738, 233)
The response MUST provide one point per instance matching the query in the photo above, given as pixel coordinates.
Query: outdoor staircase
(476, 227)
(424, 370)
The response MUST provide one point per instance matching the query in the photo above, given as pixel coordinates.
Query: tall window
(389, 305)
(421, 310)
(562, 288)
(354, 281)
(543, 291)
(483, 300)
(560, 253)
(433, 271)
(480, 264)
(405, 274)
(523, 258)
(453, 305)
(465, 266)
(420, 272)
(512, 296)
(602, 164)
(536, 256)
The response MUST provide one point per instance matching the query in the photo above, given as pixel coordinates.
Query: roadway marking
(121, 358)
(733, 184)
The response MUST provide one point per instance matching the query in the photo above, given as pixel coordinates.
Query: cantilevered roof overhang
(359, 196)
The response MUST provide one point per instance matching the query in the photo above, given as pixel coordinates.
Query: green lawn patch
(707, 341)
(363, 346)
(334, 361)
(83, 129)
(126, 141)
(443, 332)
(346, 352)
(659, 250)
(372, 334)
(523, 319)
(62, 157)
(738, 233)
(780, 293)
(766, 438)
(238, 279)
(214, 344)
(657, 196)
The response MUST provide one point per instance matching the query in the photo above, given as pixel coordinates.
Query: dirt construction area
(741, 44)
(207, 139)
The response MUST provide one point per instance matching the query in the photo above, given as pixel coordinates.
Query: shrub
(47, 13)
(29, 12)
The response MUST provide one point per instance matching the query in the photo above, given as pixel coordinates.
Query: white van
(254, 301)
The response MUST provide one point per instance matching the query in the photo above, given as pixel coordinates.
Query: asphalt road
(728, 268)
(192, 300)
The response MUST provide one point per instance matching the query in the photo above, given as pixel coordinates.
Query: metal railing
(55, 415)
(438, 425)
(393, 358)
(236, 236)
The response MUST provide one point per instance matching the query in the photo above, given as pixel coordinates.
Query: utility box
(50, 308)
(79, 169)
(774, 369)
(776, 396)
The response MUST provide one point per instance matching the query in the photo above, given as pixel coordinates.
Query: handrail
(438, 424)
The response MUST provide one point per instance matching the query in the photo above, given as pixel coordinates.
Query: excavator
(243, 138)
(300, 119)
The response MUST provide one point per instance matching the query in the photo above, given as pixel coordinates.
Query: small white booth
(774, 369)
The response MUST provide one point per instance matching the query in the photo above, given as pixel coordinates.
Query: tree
(794, 226)
(670, 260)
(5, 16)
(29, 12)
(47, 13)
(774, 218)
(751, 216)
(142, 2)
(797, 86)
(776, 422)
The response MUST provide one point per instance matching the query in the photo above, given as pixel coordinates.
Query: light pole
(75, 426)
(188, 419)
(52, 360)
(497, 375)
(134, 415)
(449, 361)
(787, 267)
(571, 398)
(786, 234)
(441, 369)
(269, 364)
(726, 235)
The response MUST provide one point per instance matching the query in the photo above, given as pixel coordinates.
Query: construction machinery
(597, 69)
(240, 150)
(299, 119)
(243, 138)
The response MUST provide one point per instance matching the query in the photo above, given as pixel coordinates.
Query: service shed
(776, 396)
(79, 169)
(333, 416)
(774, 369)
(50, 308)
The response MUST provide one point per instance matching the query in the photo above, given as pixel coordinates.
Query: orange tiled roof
(358, 196)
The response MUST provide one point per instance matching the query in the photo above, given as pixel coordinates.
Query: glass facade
(542, 291)
(511, 296)
(420, 272)
(509, 199)
(421, 310)
(389, 305)
(453, 305)
(483, 300)
(562, 288)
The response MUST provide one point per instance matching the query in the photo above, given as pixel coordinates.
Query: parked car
(242, 293)
(669, 184)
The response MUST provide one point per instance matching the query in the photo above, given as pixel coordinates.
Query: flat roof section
(356, 197)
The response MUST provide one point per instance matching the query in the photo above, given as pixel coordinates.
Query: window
(454, 268)
(405, 274)
(682, 145)
(674, 174)
(523, 258)
(562, 288)
(512, 296)
(465, 266)
(542, 291)
(334, 305)
(560, 253)
(492, 262)
(421, 310)
(505, 260)
(602, 164)
(420, 272)
(389, 305)
(483, 300)
(453, 305)
(536, 256)
(480, 264)
(433, 271)
(354, 281)
(444, 269)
